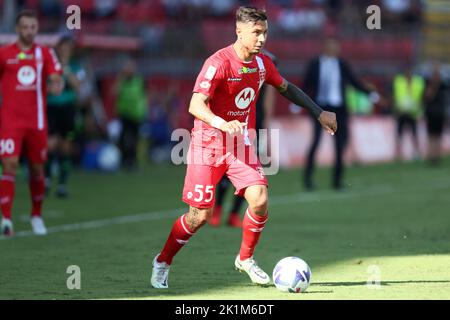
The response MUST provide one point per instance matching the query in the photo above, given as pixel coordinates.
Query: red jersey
(23, 76)
(233, 88)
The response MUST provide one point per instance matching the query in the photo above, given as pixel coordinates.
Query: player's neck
(242, 52)
(24, 46)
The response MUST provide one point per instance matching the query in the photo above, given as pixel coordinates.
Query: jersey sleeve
(273, 77)
(209, 77)
(51, 63)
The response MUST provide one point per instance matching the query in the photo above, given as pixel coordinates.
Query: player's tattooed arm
(297, 96)
(198, 107)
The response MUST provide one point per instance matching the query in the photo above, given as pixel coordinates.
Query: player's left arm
(54, 70)
(56, 84)
(297, 96)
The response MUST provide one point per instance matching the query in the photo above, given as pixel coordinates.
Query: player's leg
(10, 148)
(67, 134)
(65, 165)
(248, 178)
(222, 188)
(253, 224)
(36, 147)
(53, 141)
(7, 192)
(234, 218)
(183, 229)
(53, 120)
(199, 194)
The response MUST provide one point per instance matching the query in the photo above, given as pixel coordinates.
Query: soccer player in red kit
(25, 68)
(224, 96)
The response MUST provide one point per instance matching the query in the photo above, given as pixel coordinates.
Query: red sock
(7, 183)
(252, 226)
(178, 237)
(37, 191)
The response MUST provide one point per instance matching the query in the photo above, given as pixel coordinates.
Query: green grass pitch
(395, 217)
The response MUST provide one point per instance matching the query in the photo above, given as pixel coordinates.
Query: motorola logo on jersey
(244, 98)
(26, 75)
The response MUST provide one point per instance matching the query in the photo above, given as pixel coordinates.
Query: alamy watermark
(73, 21)
(74, 280)
(215, 148)
(374, 20)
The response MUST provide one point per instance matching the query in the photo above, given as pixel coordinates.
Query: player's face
(252, 35)
(27, 29)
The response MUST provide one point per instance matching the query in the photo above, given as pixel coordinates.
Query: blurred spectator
(401, 11)
(298, 20)
(435, 112)
(221, 7)
(325, 80)
(408, 90)
(163, 116)
(131, 107)
(105, 8)
(61, 112)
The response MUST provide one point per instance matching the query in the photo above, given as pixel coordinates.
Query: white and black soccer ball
(292, 274)
(109, 158)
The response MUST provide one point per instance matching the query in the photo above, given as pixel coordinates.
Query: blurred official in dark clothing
(325, 80)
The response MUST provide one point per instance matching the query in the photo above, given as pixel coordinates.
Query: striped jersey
(23, 76)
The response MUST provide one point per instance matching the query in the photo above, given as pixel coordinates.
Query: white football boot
(6, 227)
(160, 274)
(256, 274)
(38, 226)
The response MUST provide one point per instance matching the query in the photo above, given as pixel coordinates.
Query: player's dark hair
(25, 13)
(250, 14)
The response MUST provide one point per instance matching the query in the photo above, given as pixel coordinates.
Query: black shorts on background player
(61, 120)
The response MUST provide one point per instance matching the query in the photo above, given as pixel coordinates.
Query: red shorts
(202, 176)
(33, 142)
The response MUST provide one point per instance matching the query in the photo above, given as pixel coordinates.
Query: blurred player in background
(264, 109)
(435, 112)
(61, 111)
(224, 95)
(25, 68)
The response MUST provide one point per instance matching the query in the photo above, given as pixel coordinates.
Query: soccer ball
(291, 274)
(108, 158)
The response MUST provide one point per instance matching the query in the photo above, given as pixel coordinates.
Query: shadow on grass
(383, 283)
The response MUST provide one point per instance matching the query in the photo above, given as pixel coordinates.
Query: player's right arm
(198, 107)
(298, 97)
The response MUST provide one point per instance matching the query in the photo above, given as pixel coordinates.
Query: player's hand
(233, 127)
(328, 121)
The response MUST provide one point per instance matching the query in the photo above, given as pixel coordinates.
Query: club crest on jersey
(247, 70)
(244, 98)
(26, 75)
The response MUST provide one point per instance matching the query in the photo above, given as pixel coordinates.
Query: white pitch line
(172, 213)
(146, 216)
